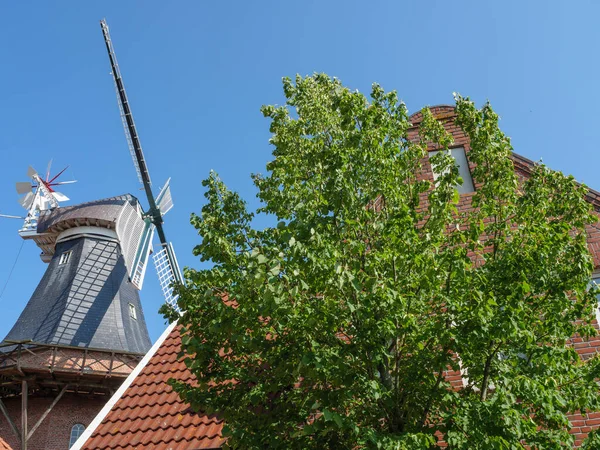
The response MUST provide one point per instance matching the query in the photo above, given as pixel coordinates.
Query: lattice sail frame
(128, 137)
(143, 252)
(167, 273)
(123, 115)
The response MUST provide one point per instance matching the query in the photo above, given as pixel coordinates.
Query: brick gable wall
(582, 424)
(55, 431)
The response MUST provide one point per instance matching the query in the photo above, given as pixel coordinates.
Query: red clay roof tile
(150, 415)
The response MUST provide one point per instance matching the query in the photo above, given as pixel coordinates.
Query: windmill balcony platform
(48, 366)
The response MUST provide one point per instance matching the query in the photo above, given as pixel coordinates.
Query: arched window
(76, 431)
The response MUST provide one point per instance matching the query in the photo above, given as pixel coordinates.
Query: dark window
(76, 431)
(64, 258)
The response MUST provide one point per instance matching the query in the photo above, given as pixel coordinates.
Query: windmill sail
(27, 200)
(140, 261)
(133, 141)
(38, 195)
(164, 201)
(60, 197)
(168, 271)
(23, 187)
(165, 260)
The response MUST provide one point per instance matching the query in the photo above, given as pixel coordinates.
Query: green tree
(333, 329)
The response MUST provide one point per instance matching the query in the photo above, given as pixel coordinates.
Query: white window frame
(596, 280)
(132, 311)
(76, 431)
(460, 159)
(65, 257)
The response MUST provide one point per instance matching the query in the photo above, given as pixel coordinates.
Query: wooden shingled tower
(83, 330)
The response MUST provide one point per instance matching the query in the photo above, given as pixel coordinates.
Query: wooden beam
(24, 396)
(13, 427)
(85, 354)
(52, 405)
(29, 351)
(19, 360)
(83, 386)
(53, 360)
(112, 359)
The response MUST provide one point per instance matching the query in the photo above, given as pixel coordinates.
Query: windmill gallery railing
(28, 367)
(72, 364)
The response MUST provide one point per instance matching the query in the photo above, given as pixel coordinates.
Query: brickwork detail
(91, 377)
(55, 430)
(582, 424)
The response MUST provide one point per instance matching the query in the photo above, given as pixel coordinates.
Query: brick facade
(91, 376)
(55, 430)
(582, 425)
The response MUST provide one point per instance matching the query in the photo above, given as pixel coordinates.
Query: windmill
(164, 259)
(39, 195)
(83, 330)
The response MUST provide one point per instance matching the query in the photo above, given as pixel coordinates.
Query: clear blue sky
(197, 73)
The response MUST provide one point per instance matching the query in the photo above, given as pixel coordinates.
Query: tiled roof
(150, 415)
(4, 445)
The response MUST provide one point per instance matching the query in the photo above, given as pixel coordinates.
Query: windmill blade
(56, 176)
(27, 200)
(31, 172)
(60, 197)
(23, 187)
(48, 170)
(164, 201)
(164, 260)
(133, 141)
(140, 261)
(7, 216)
(168, 271)
(60, 183)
